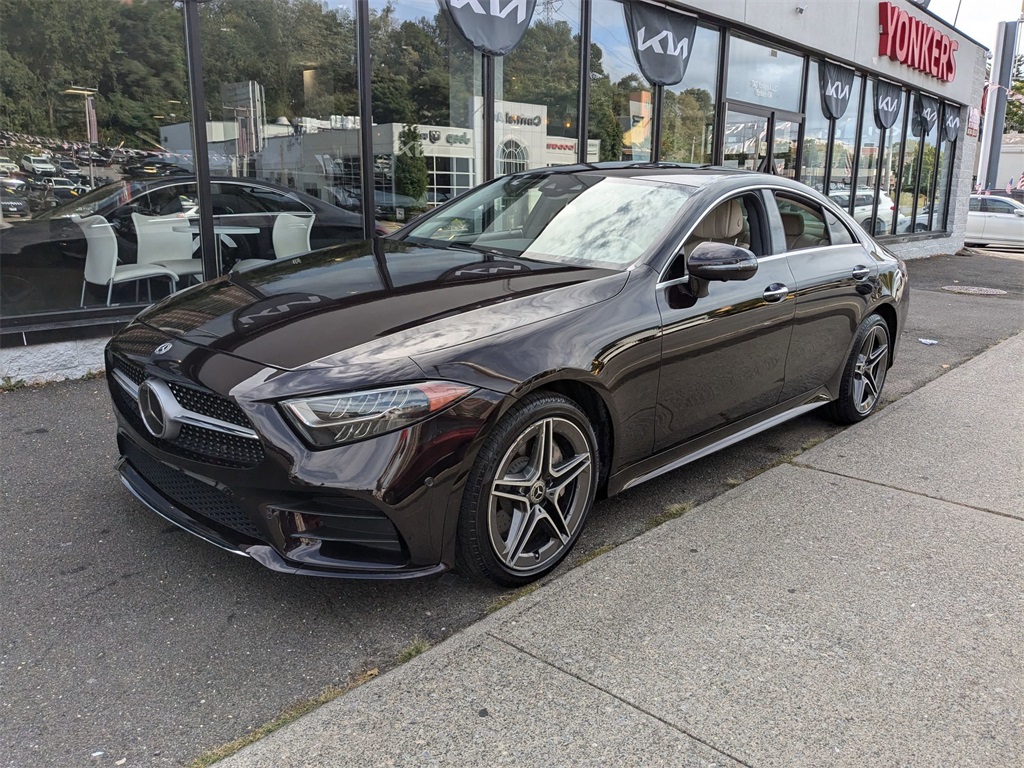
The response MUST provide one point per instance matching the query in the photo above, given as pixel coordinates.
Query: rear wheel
(864, 373)
(529, 492)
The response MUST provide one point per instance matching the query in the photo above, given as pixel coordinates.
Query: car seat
(796, 238)
(725, 224)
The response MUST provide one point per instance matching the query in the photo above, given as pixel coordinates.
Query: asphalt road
(127, 642)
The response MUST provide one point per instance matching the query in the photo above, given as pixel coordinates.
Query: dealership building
(867, 101)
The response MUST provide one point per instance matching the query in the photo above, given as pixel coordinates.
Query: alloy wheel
(870, 369)
(540, 494)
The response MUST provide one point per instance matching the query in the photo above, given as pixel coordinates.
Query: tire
(524, 505)
(864, 373)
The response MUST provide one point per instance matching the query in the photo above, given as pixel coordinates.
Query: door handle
(775, 292)
(861, 273)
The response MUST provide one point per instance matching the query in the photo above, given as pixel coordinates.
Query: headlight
(346, 418)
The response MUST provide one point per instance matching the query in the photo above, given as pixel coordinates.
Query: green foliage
(410, 166)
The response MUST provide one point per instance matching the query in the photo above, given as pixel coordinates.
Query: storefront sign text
(764, 90)
(509, 119)
(908, 40)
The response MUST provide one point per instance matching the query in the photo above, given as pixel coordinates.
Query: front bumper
(382, 508)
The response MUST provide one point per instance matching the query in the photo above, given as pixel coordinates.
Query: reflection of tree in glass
(687, 126)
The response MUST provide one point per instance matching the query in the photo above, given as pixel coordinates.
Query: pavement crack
(963, 504)
(617, 697)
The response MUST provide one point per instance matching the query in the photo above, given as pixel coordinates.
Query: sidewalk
(861, 606)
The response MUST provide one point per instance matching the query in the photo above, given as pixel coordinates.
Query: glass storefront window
(947, 151)
(621, 99)
(908, 172)
(929, 166)
(688, 118)
(538, 85)
(888, 215)
(816, 129)
(867, 153)
(844, 153)
(745, 140)
(86, 101)
(762, 75)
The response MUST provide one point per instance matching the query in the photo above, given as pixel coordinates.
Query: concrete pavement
(863, 605)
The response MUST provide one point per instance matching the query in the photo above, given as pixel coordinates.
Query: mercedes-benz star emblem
(158, 408)
(163, 348)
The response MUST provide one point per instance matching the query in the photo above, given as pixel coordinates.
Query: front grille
(197, 443)
(190, 495)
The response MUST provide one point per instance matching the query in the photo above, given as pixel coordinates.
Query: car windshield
(563, 218)
(85, 205)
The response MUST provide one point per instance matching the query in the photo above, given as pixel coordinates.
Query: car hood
(373, 302)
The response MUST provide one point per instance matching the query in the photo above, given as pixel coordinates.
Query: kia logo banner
(491, 26)
(926, 114)
(888, 100)
(951, 125)
(836, 84)
(661, 40)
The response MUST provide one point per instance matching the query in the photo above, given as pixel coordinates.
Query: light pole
(90, 123)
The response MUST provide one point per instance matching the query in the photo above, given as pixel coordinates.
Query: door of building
(764, 140)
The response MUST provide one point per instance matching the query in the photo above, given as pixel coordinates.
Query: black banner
(662, 41)
(836, 84)
(491, 26)
(888, 100)
(951, 125)
(926, 114)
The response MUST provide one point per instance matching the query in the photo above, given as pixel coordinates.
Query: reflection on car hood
(357, 303)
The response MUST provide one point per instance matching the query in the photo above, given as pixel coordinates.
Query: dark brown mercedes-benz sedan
(458, 393)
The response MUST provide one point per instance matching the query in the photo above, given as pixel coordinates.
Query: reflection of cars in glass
(8, 166)
(13, 204)
(37, 164)
(9, 181)
(52, 243)
(459, 392)
(995, 221)
(863, 207)
(69, 168)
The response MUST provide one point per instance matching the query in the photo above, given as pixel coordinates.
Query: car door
(723, 353)
(975, 222)
(1002, 224)
(833, 276)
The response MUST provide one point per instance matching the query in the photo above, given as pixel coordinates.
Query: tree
(411, 176)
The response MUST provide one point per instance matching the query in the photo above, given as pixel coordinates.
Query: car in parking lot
(877, 222)
(457, 394)
(13, 203)
(9, 180)
(995, 221)
(38, 165)
(7, 166)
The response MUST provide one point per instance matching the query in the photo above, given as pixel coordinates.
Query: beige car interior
(726, 223)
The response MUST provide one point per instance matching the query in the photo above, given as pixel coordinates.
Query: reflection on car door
(1001, 223)
(830, 268)
(724, 354)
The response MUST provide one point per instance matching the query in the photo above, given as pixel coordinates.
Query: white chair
(101, 267)
(290, 236)
(161, 246)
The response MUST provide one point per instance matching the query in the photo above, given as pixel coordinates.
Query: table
(218, 230)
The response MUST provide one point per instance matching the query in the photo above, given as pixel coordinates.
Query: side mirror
(720, 261)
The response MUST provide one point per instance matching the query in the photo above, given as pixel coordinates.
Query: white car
(993, 220)
(37, 164)
(7, 165)
(58, 181)
(863, 204)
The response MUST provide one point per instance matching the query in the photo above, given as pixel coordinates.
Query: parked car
(7, 166)
(459, 392)
(9, 181)
(69, 168)
(864, 206)
(38, 165)
(995, 221)
(13, 204)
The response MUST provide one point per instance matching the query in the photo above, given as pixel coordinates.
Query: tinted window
(838, 231)
(998, 206)
(277, 202)
(975, 204)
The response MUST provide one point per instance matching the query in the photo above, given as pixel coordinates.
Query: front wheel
(529, 492)
(864, 373)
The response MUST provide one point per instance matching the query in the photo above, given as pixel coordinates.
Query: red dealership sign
(908, 40)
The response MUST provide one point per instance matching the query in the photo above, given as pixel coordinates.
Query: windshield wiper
(462, 245)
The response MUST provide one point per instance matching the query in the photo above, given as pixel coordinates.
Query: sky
(978, 18)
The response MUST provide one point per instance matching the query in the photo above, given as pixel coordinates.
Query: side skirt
(698, 448)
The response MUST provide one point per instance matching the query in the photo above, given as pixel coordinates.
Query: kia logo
(163, 348)
(672, 48)
(158, 409)
(837, 91)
